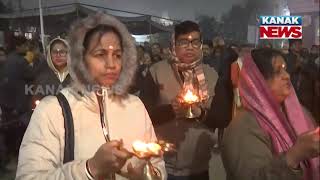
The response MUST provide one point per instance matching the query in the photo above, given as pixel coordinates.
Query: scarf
(190, 72)
(283, 129)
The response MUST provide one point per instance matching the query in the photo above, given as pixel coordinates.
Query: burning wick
(140, 146)
(190, 98)
(143, 149)
(154, 148)
(37, 102)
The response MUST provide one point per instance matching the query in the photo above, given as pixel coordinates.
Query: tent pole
(41, 27)
(77, 5)
(150, 29)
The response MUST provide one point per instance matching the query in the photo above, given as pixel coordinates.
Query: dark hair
(247, 45)
(208, 42)
(140, 46)
(293, 41)
(155, 44)
(33, 45)
(100, 30)
(186, 27)
(263, 59)
(19, 40)
(234, 45)
(265, 44)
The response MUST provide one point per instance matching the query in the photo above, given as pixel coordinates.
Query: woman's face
(104, 58)
(59, 54)
(147, 58)
(280, 82)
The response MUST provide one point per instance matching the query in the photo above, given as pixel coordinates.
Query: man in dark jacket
(303, 73)
(18, 73)
(15, 104)
(3, 146)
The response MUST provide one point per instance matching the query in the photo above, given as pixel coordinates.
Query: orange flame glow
(140, 146)
(190, 98)
(154, 148)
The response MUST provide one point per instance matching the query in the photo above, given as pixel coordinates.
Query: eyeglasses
(61, 52)
(280, 71)
(195, 43)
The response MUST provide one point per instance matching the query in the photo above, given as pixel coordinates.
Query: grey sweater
(247, 153)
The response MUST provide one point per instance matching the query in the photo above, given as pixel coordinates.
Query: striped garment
(190, 72)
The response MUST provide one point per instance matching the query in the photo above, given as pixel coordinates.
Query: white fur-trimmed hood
(61, 75)
(77, 68)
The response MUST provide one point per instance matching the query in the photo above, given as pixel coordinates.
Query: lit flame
(189, 97)
(143, 147)
(37, 102)
(140, 146)
(154, 148)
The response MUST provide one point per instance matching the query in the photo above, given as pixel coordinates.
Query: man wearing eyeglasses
(166, 83)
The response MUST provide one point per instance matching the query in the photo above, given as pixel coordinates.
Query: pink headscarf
(283, 130)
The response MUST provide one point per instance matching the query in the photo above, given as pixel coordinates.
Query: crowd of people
(263, 104)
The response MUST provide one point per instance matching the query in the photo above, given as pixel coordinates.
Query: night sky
(176, 9)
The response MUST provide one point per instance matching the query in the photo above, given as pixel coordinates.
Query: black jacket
(17, 74)
(47, 83)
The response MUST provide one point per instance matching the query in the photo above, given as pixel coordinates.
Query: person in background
(146, 64)
(207, 54)
(3, 145)
(140, 53)
(18, 72)
(305, 53)
(218, 41)
(235, 74)
(15, 103)
(273, 137)
(317, 92)
(155, 52)
(294, 61)
(314, 52)
(3, 52)
(54, 75)
(32, 53)
(236, 48)
(222, 102)
(265, 44)
(217, 53)
(303, 73)
(142, 67)
(147, 46)
(165, 53)
(3, 60)
(207, 49)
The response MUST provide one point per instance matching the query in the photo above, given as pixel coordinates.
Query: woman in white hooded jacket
(102, 64)
(54, 75)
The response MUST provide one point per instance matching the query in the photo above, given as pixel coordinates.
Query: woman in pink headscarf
(272, 137)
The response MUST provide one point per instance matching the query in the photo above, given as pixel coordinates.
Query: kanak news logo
(280, 27)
